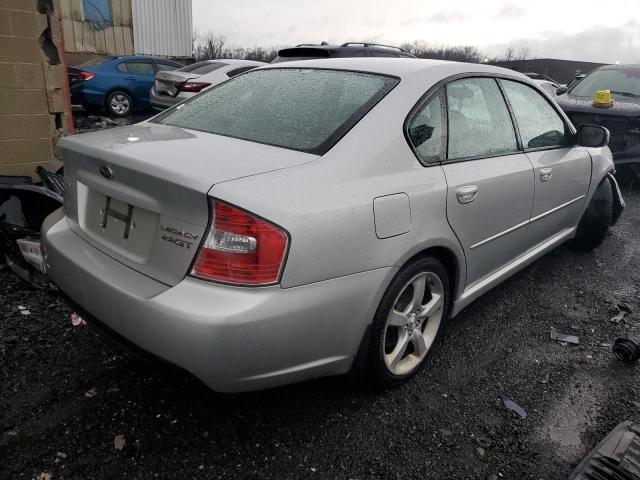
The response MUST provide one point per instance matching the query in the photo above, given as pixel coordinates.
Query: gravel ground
(449, 423)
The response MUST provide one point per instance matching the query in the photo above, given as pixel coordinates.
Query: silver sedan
(310, 218)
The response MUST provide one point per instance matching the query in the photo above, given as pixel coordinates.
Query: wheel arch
(453, 264)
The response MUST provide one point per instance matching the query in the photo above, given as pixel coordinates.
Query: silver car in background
(309, 218)
(172, 87)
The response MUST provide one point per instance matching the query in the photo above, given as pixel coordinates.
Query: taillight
(87, 75)
(240, 248)
(190, 86)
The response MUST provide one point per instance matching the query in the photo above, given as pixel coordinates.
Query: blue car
(119, 84)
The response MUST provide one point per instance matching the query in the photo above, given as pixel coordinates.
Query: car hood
(629, 107)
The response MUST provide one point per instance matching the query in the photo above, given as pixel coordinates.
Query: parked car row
(124, 84)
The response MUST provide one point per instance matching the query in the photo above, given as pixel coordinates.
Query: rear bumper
(233, 339)
(162, 102)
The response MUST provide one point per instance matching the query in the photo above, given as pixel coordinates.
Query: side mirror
(593, 136)
(561, 90)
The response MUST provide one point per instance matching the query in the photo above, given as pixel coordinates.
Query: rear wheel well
(448, 259)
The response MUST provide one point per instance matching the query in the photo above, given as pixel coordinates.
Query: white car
(172, 87)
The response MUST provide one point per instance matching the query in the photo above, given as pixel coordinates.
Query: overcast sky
(592, 30)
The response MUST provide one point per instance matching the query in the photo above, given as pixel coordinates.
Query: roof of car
(233, 61)
(399, 67)
(142, 57)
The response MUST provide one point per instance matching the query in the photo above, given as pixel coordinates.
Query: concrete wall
(34, 105)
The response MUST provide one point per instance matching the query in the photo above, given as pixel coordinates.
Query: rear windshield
(301, 109)
(201, 68)
(622, 83)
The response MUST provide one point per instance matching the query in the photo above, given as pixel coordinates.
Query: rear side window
(138, 67)
(238, 71)
(479, 121)
(301, 109)
(426, 130)
(539, 124)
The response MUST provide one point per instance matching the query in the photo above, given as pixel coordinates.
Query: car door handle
(467, 194)
(131, 78)
(545, 174)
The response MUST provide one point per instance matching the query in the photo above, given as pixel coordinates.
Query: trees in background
(212, 45)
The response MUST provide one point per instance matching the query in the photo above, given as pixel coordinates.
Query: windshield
(622, 83)
(300, 109)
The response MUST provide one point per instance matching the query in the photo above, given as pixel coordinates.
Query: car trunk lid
(139, 194)
(165, 83)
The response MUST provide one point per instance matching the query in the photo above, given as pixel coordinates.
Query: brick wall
(34, 107)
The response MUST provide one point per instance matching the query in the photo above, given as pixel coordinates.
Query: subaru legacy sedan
(316, 217)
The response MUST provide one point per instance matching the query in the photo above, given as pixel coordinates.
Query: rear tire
(119, 104)
(408, 322)
(596, 220)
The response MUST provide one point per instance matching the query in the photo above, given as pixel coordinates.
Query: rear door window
(301, 109)
(143, 68)
(539, 124)
(479, 124)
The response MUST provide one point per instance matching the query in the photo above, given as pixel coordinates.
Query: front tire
(596, 220)
(407, 322)
(119, 104)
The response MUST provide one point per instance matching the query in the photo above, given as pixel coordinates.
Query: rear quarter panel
(327, 204)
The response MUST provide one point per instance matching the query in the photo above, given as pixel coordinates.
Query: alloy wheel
(120, 104)
(413, 323)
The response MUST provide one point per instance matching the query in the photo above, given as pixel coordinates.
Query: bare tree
(463, 53)
(208, 46)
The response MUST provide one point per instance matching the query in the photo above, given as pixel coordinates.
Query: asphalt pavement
(74, 406)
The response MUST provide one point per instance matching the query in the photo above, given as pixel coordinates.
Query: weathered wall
(82, 38)
(34, 106)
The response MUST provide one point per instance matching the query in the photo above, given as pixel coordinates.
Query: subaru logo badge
(106, 172)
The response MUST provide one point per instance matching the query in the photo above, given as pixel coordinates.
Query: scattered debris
(91, 392)
(77, 320)
(446, 432)
(564, 337)
(61, 455)
(513, 406)
(545, 380)
(484, 442)
(119, 442)
(113, 390)
(481, 452)
(626, 350)
(625, 307)
(617, 318)
(43, 476)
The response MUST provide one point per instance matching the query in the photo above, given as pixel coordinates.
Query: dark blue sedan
(119, 84)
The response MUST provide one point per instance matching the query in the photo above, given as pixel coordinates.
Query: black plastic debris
(617, 457)
(513, 406)
(23, 207)
(626, 350)
(564, 337)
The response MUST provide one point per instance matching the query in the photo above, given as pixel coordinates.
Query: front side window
(425, 130)
(297, 108)
(479, 121)
(539, 124)
(140, 67)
